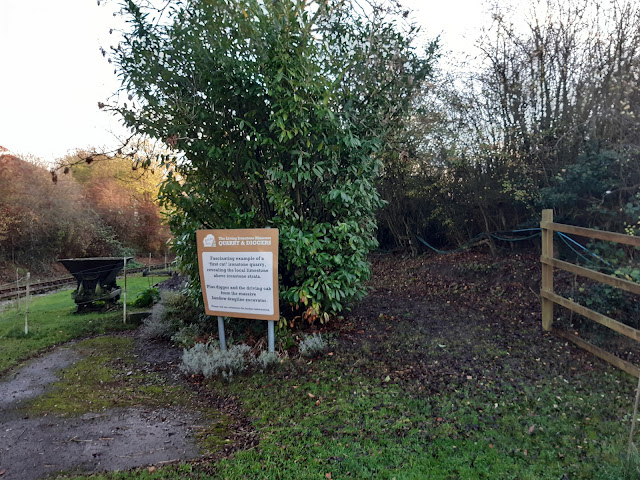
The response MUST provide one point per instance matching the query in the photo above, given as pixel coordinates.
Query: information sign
(239, 272)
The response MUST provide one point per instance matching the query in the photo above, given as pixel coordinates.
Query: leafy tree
(278, 111)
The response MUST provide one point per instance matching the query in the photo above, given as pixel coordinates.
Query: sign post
(239, 275)
(223, 339)
(17, 290)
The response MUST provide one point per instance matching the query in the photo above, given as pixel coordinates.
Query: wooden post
(26, 308)
(547, 270)
(124, 294)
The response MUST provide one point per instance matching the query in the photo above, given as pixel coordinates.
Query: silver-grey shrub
(156, 326)
(161, 324)
(266, 360)
(208, 360)
(312, 345)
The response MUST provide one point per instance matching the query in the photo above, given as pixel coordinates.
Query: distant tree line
(545, 117)
(105, 208)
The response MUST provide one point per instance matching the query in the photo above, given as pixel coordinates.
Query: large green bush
(277, 109)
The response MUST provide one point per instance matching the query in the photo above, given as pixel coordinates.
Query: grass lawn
(317, 420)
(52, 321)
(328, 423)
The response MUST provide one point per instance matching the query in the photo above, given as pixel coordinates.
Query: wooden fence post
(547, 270)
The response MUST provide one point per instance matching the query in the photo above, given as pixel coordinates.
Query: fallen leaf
(3, 471)
(531, 429)
(328, 476)
(311, 395)
(387, 378)
(151, 469)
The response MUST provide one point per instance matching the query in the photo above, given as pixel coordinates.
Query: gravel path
(34, 379)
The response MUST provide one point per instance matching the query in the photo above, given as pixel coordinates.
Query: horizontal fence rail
(550, 298)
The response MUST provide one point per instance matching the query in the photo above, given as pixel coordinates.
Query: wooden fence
(549, 298)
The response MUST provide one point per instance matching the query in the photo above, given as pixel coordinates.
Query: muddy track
(118, 439)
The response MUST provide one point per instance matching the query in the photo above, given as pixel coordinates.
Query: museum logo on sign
(209, 241)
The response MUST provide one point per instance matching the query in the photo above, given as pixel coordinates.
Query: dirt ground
(442, 320)
(435, 322)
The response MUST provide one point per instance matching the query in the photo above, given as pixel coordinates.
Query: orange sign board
(239, 272)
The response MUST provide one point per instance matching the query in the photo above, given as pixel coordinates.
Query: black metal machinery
(96, 277)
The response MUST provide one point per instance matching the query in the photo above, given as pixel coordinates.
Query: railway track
(7, 293)
(10, 292)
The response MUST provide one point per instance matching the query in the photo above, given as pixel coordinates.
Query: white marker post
(26, 308)
(124, 293)
(239, 275)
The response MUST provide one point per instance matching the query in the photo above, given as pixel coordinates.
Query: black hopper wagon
(96, 288)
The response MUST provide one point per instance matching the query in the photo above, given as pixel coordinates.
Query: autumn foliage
(89, 212)
(125, 199)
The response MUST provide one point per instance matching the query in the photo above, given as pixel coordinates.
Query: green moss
(107, 376)
(214, 435)
(184, 470)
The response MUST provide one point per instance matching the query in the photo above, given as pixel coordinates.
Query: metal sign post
(272, 336)
(223, 339)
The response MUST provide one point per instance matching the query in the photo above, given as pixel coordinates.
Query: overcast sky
(52, 74)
